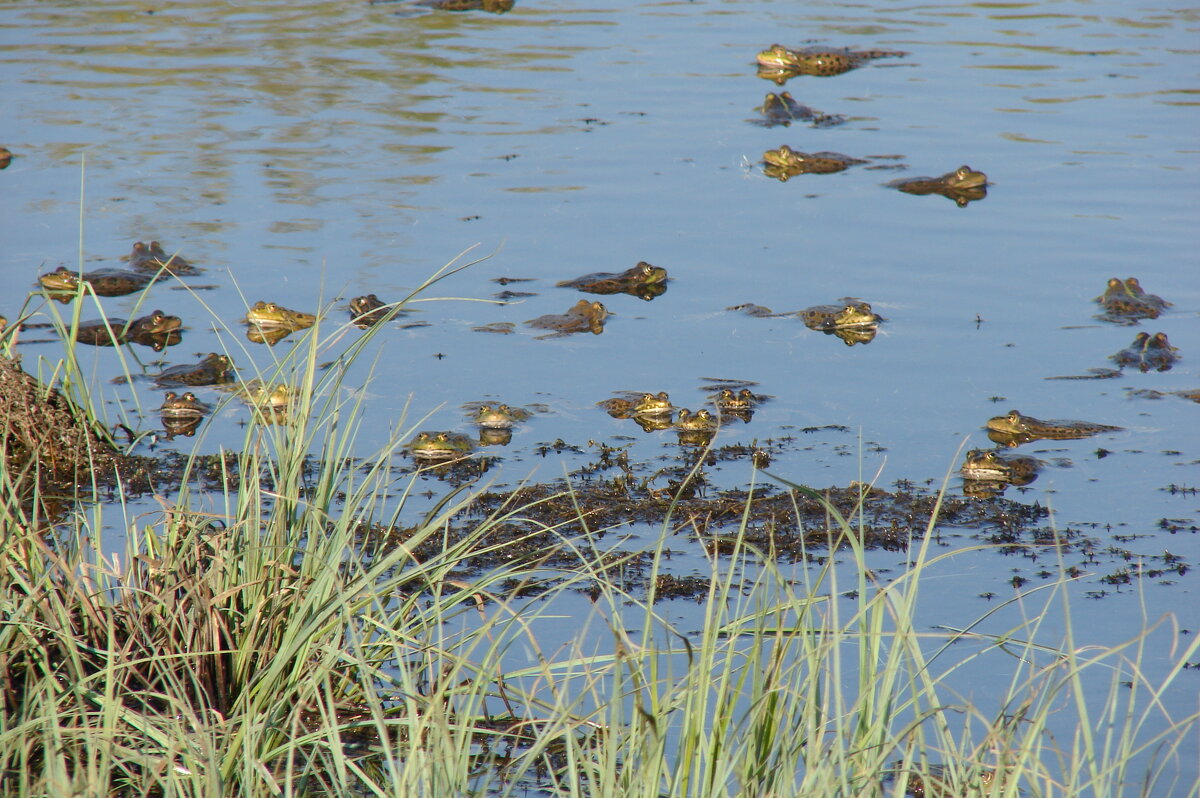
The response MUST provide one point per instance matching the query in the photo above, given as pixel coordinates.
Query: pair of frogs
(146, 263)
(963, 185)
(1013, 429)
(643, 280)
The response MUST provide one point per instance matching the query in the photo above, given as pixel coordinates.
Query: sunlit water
(308, 153)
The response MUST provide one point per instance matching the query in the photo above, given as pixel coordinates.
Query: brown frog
(964, 185)
(785, 163)
(782, 109)
(1014, 429)
(1148, 352)
(214, 369)
(1126, 302)
(185, 406)
(157, 331)
(152, 258)
(643, 281)
(367, 311)
(490, 6)
(583, 316)
(62, 283)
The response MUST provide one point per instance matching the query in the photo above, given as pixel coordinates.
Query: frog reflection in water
(439, 446)
(782, 109)
(1148, 352)
(583, 316)
(1126, 302)
(779, 63)
(785, 163)
(62, 282)
(643, 280)
(1014, 429)
(157, 331)
(964, 185)
(214, 369)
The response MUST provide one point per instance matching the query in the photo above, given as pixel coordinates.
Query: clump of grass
(252, 642)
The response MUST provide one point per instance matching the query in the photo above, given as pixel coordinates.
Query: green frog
(851, 313)
(642, 280)
(1148, 352)
(700, 421)
(264, 395)
(782, 109)
(367, 311)
(653, 404)
(1126, 301)
(269, 314)
(935, 783)
(1014, 429)
(583, 316)
(990, 464)
(818, 61)
(185, 406)
(152, 258)
(104, 282)
(157, 330)
(785, 163)
(499, 416)
(964, 185)
(439, 446)
(214, 369)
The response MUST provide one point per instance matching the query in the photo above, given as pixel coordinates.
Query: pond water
(308, 153)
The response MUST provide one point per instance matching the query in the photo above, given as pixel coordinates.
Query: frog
(153, 258)
(367, 311)
(157, 330)
(269, 314)
(583, 316)
(850, 313)
(992, 464)
(1013, 429)
(964, 185)
(785, 163)
(729, 402)
(6, 157)
(643, 280)
(62, 282)
(499, 416)
(1148, 352)
(213, 369)
(653, 404)
(490, 6)
(785, 62)
(264, 395)
(782, 109)
(439, 446)
(1127, 302)
(185, 406)
(700, 421)
(935, 783)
